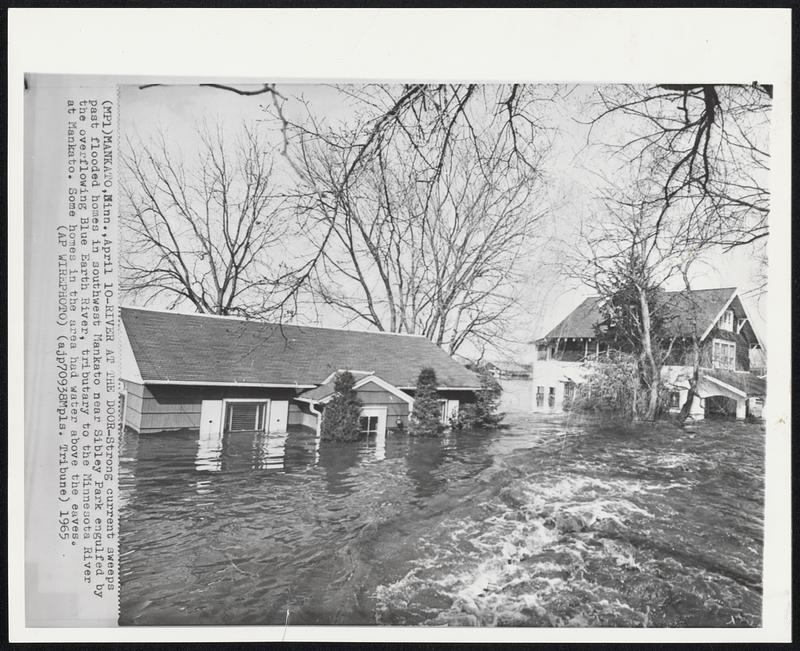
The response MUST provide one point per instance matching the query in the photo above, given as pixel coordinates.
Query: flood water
(551, 522)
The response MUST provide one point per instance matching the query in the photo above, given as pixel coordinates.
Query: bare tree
(431, 121)
(628, 257)
(705, 149)
(206, 231)
(424, 232)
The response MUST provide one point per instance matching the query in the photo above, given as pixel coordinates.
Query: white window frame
(443, 410)
(726, 321)
(226, 418)
(715, 359)
(372, 411)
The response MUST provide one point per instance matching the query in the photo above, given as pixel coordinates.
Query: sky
(571, 171)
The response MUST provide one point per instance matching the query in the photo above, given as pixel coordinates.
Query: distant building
(509, 370)
(224, 374)
(727, 384)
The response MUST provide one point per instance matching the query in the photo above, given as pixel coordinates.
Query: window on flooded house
(368, 425)
(245, 416)
(726, 321)
(551, 397)
(540, 396)
(724, 354)
(674, 399)
(569, 390)
(443, 415)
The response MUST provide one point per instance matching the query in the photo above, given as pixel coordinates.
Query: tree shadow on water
(338, 458)
(423, 457)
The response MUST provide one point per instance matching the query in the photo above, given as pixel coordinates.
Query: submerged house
(730, 383)
(224, 374)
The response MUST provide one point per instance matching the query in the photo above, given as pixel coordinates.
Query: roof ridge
(573, 320)
(703, 289)
(270, 323)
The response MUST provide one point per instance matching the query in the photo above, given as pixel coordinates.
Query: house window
(541, 353)
(245, 416)
(674, 399)
(368, 425)
(569, 390)
(551, 397)
(726, 321)
(443, 415)
(540, 396)
(724, 354)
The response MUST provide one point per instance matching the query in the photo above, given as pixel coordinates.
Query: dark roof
(328, 388)
(749, 383)
(174, 347)
(678, 310)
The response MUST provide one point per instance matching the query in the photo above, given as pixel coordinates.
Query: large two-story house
(730, 383)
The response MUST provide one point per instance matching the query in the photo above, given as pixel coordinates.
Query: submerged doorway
(372, 426)
(720, 407)
(372, 421)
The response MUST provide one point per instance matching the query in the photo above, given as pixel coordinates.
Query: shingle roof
(749, 383)
(679, 310)
(169, 346)
(328, 388)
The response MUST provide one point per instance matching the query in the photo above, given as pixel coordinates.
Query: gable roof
(747, 383)
(170, 347)
(708, 303)
(327, 390)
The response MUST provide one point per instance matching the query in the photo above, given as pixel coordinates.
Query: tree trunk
(686, 409)
(654, 372)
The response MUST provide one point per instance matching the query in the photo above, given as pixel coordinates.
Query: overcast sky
(571, 176)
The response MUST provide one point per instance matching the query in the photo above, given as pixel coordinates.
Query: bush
(341, 414)
(483, 413)
(425, 418)
(614, 386)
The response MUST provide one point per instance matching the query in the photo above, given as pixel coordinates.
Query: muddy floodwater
(554, 521)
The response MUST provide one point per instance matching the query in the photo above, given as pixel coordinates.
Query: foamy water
(552, 522)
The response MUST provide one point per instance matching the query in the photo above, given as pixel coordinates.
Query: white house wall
(278, 416)
(552, 374)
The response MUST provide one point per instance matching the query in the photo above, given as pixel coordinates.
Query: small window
(726, 321)
(245, 416)
(569, 390)
(540, 396)
(674, 399)
(551, 397)
(724, 354)
(541, 353)
(368, 425)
